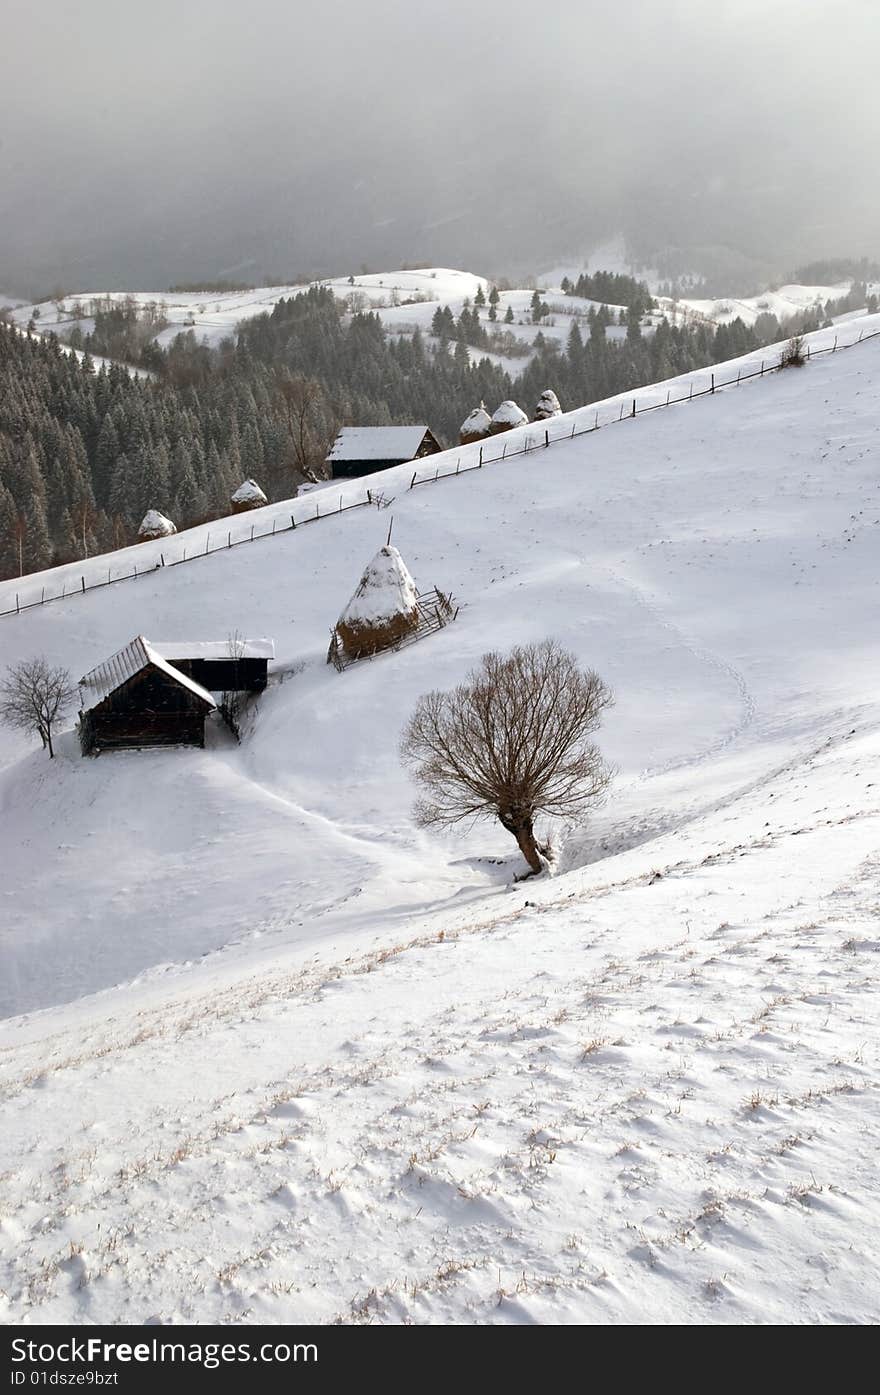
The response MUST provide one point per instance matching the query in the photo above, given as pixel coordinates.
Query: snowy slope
(358, 1073)
(213, 316)
(784, 303)
(405, 301)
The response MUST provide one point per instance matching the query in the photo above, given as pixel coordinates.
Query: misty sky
(146, 144)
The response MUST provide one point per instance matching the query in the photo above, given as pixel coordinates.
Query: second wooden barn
(226, 665)
(361, 450)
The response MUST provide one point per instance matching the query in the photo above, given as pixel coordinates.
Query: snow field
(274, 1054)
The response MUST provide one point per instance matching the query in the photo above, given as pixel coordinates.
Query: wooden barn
(222, 665)
(360, 450)
(160, 694)
(137, 698)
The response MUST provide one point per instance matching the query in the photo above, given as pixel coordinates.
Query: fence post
(415, 472)
(620, 418)
(691, 393)
(668, 391)
(83, 580)
(738, 376)
(252, 532)
(713, 382)
(229, 538)
(595, 424)
(292, 521)
(43, 596)
(207, 544)
(835, 344)
(481, 457)
(547, 437)
(504, 450)
(273, 527)
(458, 465)
(573, 424)
(762, 368)
(17, 608)
(634, 407)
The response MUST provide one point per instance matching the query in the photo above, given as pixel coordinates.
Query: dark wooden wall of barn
(226, 675)
(150, 709)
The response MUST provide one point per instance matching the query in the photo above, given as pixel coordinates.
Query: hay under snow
(475, 427)
(155, 525)
(506, 417)
(248, 496)
(547, 406)
(382, 610)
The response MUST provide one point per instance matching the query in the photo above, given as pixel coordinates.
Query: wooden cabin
(136, 699)
(222, 665)
(361, 450)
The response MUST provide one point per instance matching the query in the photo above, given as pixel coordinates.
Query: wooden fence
(523, 445)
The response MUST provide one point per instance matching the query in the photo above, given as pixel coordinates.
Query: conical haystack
(506, 417)
(547, 406)
(475, 427)
(383, 608)
(155, 525)
(249, 495)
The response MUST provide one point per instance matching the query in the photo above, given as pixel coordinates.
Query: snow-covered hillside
(402, 298)
(785, 303)
(405, 301)
(344, 1068)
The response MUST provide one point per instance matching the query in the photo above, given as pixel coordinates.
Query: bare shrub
(34, 697)
(511, 743)
(794, 354)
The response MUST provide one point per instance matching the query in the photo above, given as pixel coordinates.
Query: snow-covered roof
(113, 672)
(377, 443)
(510, 414)
(215, 649)
(477, 420)
(386, 589)
(156, 524)
(247, 492)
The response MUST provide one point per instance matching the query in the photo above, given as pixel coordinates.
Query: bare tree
(303, 400)
(34, 697)
(512, 742)
(233, 700)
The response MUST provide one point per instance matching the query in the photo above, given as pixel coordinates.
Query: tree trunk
(48, 742)
(525, 837)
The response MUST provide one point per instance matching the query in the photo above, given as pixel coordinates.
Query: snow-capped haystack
(506, 417)
(383, 608)
(249, 495)
(475, 427)
(155, 525)
(547, 406)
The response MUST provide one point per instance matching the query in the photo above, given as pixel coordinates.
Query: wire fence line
(524, 446)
